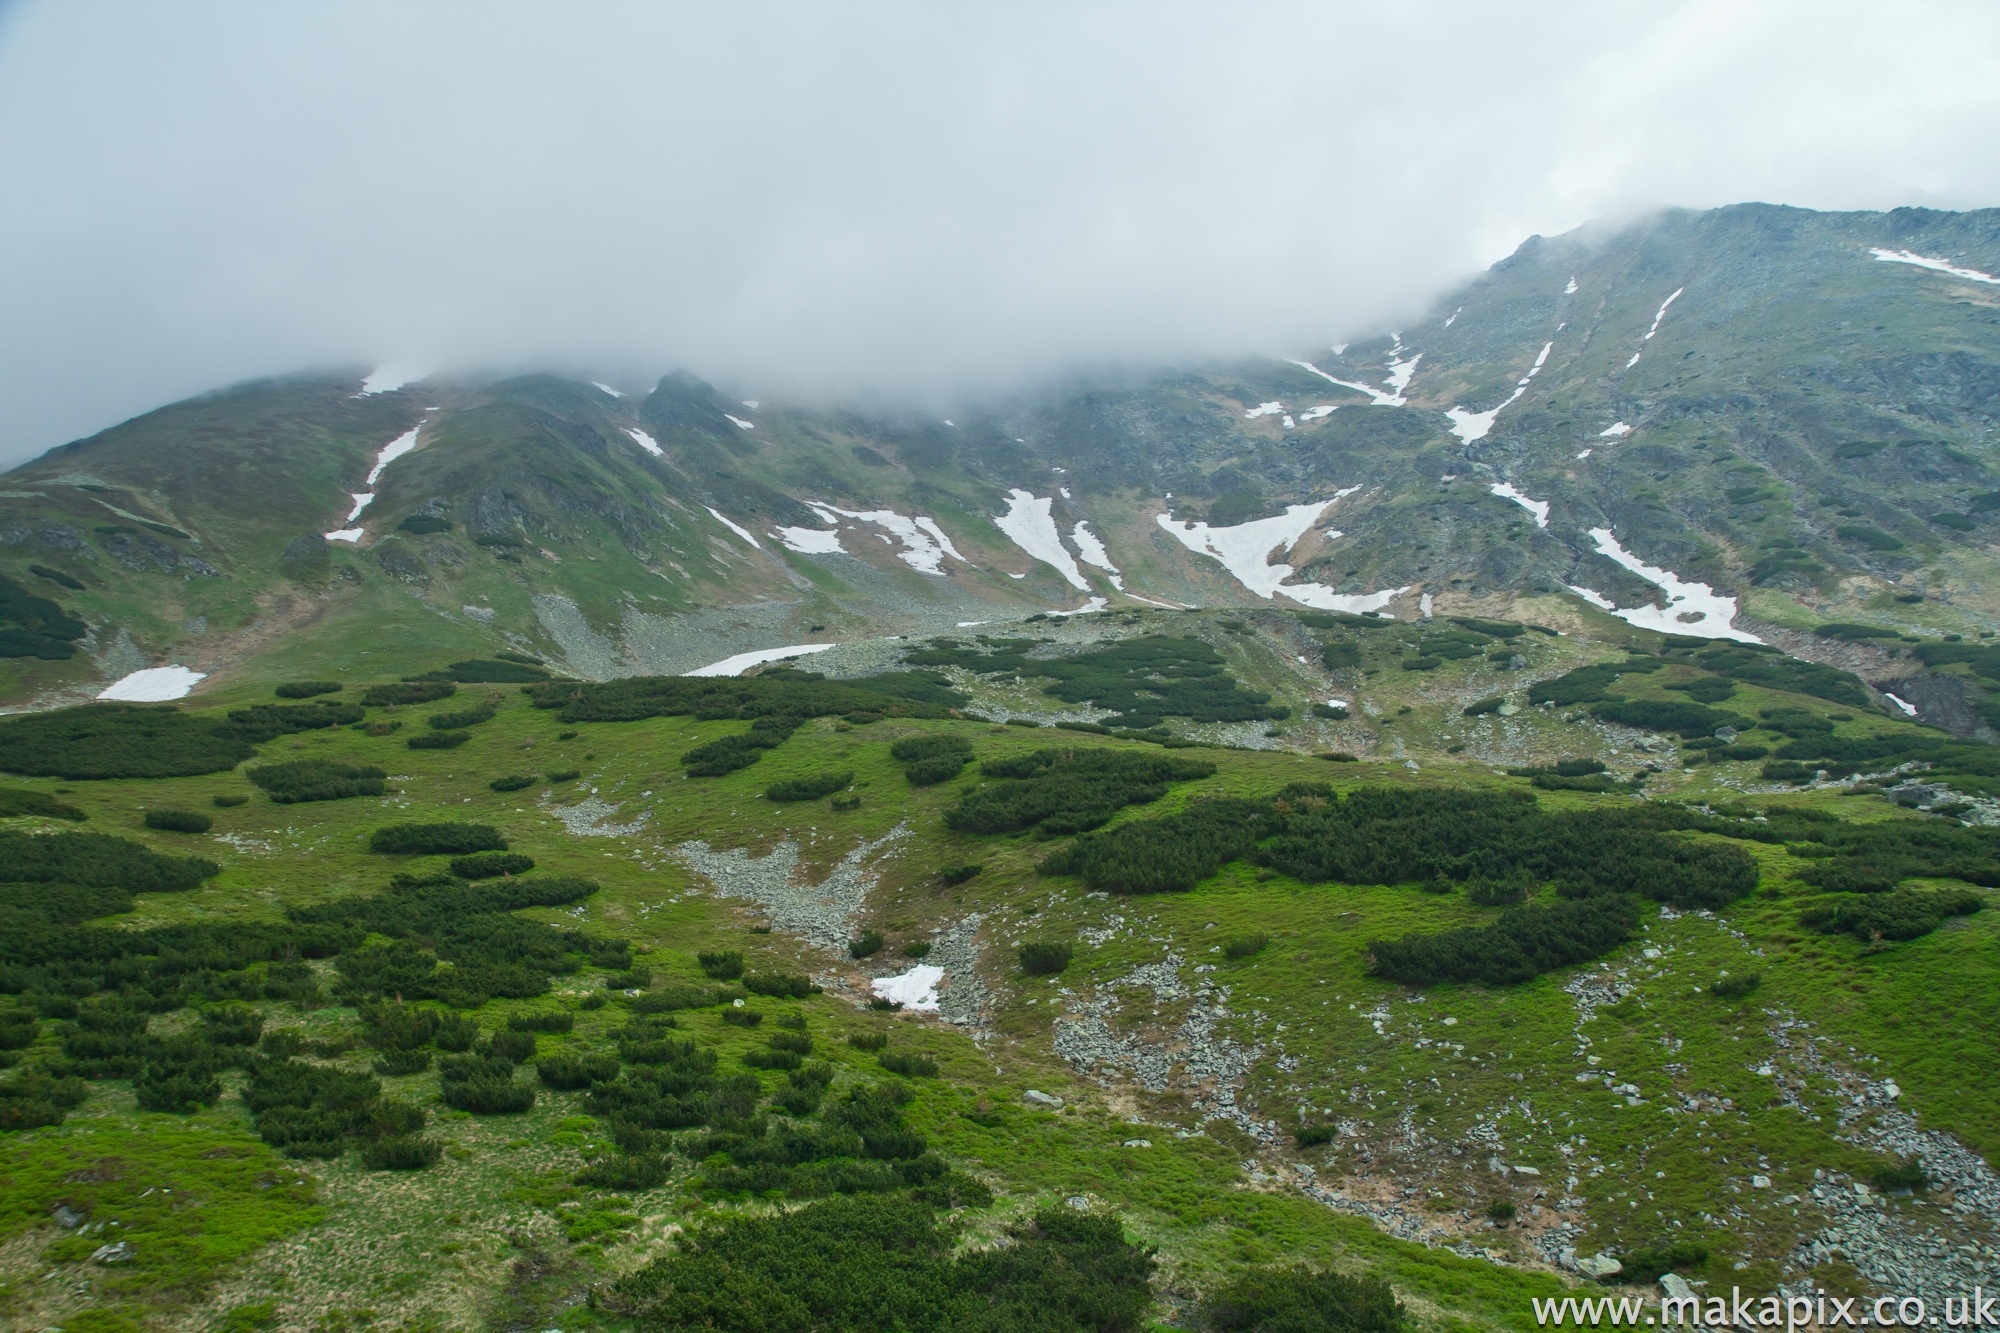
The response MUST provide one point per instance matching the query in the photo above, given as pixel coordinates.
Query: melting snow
(738, 529)
(1265, 410)
(1317, 413)
(1658, 315)
(1399, 378)
(362, 499)
(1616, 430)
(1539, 508)
(154, 685)
(741, 423)
(600, 384)
(1423, 608)
(1936, 265)
(1692, 608)
(1571, 289)
(1029, 526)
(1595, 598)
(1095, 604)
(1585, 454)
(742, 662)
(345, 535)
(1454, 317)
(644, 441)
(388, 379)
(924, 544)
(752, 403)
(810, 541)
(1092, 550)
(915, 989)
(1909, 709)
(1472, 426)
(390, 452)
(1245, 551)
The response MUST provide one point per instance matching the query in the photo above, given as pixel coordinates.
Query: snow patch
(1692, 608)
(154, 685)
(1423, 607)
(1658, 315)
(1095, 604)
(1616, 430)
(390, 452)
(1585, 454)
(736, 528)
(1935, 265)
(1028, 525)
(1400, 372)
(1472, 426)
(1265, 410)
(1319, 413)
(1092, 550)
(810, 541)
(644, 441)
(600, 384)
(1539, 508)
(388, 379)
(924, 543)
(1571, 289)
(752, 403)
(1909, 709)
(915, 989)
(1453, 318)
(1595, 598)
(345, 535)
(742, 662)
(1245, 551)
(740, 423)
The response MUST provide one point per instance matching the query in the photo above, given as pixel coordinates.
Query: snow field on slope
(1093, 553)
(154, 685)
(1471, 427)
(811, 541)
(1539, 508)
(1658, 315)
(742, 662)
(644, 441)
(736, 528)
(1030, 526)
(925, 544)
(1936, 265)
(1692, 608)
(1245, 551)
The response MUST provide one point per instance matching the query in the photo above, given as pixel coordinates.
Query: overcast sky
(917, 200)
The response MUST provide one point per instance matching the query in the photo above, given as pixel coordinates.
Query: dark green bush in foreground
(1055, 792)
(1521, 945)
(1303, 1300)
(877, 1262)
(179, 821)
(110, 740)
(408, 692)
(307, 689)
(439, 740)
(809, 789)
(515, 782)
(725, 965)
(931, 758)
(781, 984)
(317, 780)
(865, 945)
(436, 839)
(16, 801)
(1736, 987)
(1905, 914)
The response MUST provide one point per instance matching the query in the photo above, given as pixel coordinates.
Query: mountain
(1473, 817)
(1794, 409)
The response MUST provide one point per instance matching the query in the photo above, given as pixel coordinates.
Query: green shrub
(488, 865)
(1483, 707)
(1338, 757)
(32, 626)
(573, 1073)
(488, 671)
(439, 740)
(16, 801)
(564, 775)
(909, 1066)
(917, 949)
(177, 1089)
(1312, 1136)
(408, 692)
(865, 945)
(546, 1021)
(467, 717)
(1143, 680)
(932, 758)
(868, 1041)
(179, 821)
(742, 1018)
(112, 740)
(955, 875)
(1044, 958)
(1055, 792)
(317, 780)
(721, 966)
(263, 722)
(97, 860)
(1245, 946)
(56, 576)
(1905, 914)
(402, 1152)
(1299, 1300)
(307, 689)
(516, 782)
(1736, 987)
(514, 1046)
(809, 789)
(436, 839)
(1907, 1174)
(1501, 1210)
(1522, 944)
(1649, 1263)
(781, 984)
(769, 1059)
(402, 1062)
(230, 800)
(488, 1093)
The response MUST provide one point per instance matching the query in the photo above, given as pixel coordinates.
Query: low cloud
(910, 201)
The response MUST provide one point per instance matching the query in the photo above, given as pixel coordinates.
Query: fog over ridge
(905, 201)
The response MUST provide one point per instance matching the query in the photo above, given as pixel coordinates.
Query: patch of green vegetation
(1054, 792)
(16, 802)
(435, 839)
(931, 758)
(407, 692)
(32, 626)
(809, 788)
(178, 821)
(1144, 680)
(100, 741)
(307, 689)
(317, 780)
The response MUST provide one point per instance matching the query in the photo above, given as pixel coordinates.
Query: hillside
(1501, 809)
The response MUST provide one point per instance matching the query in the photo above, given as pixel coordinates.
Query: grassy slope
(441, 1244)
